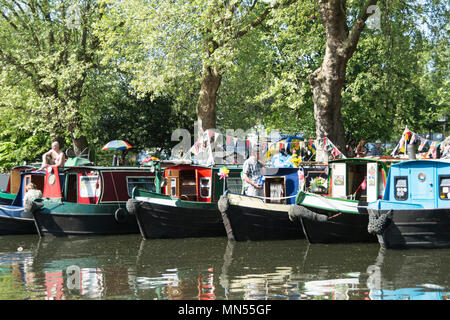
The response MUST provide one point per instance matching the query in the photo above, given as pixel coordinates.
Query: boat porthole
(422, 177)
(120, 215)
(51, 179)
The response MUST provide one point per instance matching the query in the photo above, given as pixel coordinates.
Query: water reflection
(409, 275)
(127, 267)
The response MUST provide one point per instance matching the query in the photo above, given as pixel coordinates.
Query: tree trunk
(206, 105)
(79, 144)
(328, 80)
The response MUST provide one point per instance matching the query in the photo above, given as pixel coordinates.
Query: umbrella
(116, 145)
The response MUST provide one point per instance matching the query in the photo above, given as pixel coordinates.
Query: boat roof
(367, 159)
(215, 166)
(425, 161)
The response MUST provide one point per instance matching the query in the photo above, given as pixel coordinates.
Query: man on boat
(377, 151)
(251, 172)
(53, 157)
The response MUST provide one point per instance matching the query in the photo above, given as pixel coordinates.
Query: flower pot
(318, 189)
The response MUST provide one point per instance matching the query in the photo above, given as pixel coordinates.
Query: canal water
(128, 267)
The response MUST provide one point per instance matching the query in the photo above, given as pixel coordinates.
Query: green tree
(184, 43)
(50, 47)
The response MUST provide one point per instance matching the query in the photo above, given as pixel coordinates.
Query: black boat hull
(160, 221)
(6, 201)
(16, 226)
(257, 220)
(424, 228)
(340, 227)
(67, 224)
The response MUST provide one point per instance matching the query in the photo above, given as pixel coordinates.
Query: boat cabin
(201, 183)
(15, 178)
(418, 183)
(362, 179)
(87, 185)
(285, 182)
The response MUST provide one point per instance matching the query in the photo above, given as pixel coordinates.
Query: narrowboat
(17, 218)
(252, 218)
(415, 209)
(341, 215)
(187, 207)
(8, 195)
(89, 200)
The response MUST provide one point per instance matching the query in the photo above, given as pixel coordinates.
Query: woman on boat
(31, 193)
(361, 150)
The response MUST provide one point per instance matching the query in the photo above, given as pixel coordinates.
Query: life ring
(121, 215)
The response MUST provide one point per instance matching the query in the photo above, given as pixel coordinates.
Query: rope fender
(296, 212)
(132, 206)
(223, 204)
(32, 205)
(378, 221)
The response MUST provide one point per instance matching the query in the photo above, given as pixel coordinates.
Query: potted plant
(318, 185)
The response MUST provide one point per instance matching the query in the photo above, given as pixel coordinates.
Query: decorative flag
(423, 142)
(301, 179)
(431, 154)
(335, 153)
(364, 185)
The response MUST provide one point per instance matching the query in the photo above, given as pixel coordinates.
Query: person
(360, 150)
(350, 148)
(31, 194)
(294, 159)
(251, 173)
(53, 157)
(377, 151)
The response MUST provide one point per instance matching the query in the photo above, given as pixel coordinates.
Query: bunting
(409, 137)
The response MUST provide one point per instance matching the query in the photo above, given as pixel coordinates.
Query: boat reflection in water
(409, 275)
(129, 267)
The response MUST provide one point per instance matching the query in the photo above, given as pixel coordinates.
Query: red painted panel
(88, 190)
(204, 173)
(52, 186)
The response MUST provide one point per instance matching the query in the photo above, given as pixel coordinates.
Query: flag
(335, 152)
(423, 142)
(364, 185)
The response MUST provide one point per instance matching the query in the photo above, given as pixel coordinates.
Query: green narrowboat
(90, 200)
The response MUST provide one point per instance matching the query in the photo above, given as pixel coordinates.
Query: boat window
(401, 188)
(89, 186)
(147, 183)
(173, 187)
(234, 185)
(444, 187)
(71, 187)
(205, 187)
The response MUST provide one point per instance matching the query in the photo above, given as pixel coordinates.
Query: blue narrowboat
(415, 209)
(16, 218)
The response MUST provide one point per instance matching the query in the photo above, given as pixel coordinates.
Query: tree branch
(350, 44)
(260, 18)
